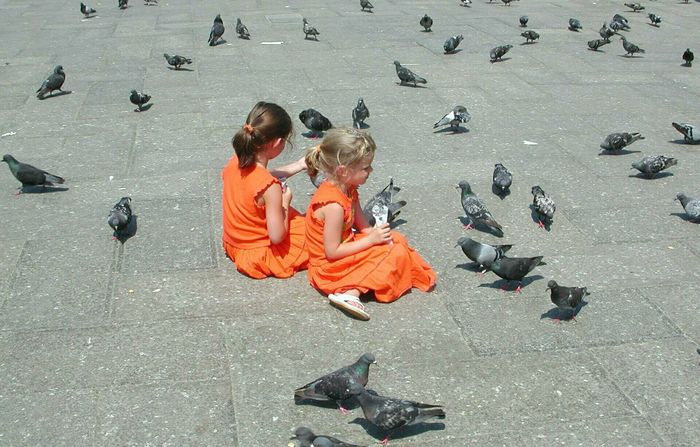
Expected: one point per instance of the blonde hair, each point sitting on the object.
(345, 146)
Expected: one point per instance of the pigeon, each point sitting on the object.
(544, 206)
(123, 4)
(498, 52)
(426, 22)
(242, 30)
(688, 57)
(653, 164)
(630, 48)
(366, 5)
(53, 82)
(482, 254)
(690, 205)
(502, 179)
(654, 19)
(139, 100)
(597, 43)
(475, 209)
(530, 36)
(523, 20)
(619, 140)
(307, 438)
(384, 200)
(458, 115)
(407, 76)
(688, 131)
(335, 386)
(566, 298)
(635, 7)
(28, 175)
(507, 2)
(389, 414)
(514, 269)
(616, 26)
(315, 122)
(452, 43)
(120, 217)
(150, 2)
(359, 114)
(465, 2)
(622, 21)
(176, 61)
(217, 30)
(86, 10)
(309, 30)
(575, 24)
(605, 32)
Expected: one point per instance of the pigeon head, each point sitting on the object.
(368, 358)
(360, 101)
(551, 284)
(536, 190)
(303, 434)
(58, 69)
(304, 20)
(397, 64)
(302, 116)
(133, 92)
(498, 165)
(462, 241)
(464, 186)
(125, 201)
(7, 158)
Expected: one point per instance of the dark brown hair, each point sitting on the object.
(265, 122)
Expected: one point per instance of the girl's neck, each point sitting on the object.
(261, 160)
(341, 186)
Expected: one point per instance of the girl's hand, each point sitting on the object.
(380, 235)
(286, 196)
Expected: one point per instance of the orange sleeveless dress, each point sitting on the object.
(389, 270)
(245, 237)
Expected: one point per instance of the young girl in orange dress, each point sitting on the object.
(263, 235)
(344, 263)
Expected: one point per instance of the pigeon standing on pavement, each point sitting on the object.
(307, 438)
(28, 175)
(635, 7)
(384, 199)
(482, 254)
(452, 43)
(619, 140)
(575, 24)
(597, 43)
(622, 22)
(123, 4)
(653, 164)
(120, 217)
(688, 57)
(566, 298)
(335, 385)
(315, 122)
(150, 2)
(514, 269)
(406, 76)
(359, 114)
(366, 5)
(523, 20)
(458, 115)
(176, 60)
(530, 36)
(507, 2)
(498, 52)
(53, 82)
(389, 414)
(465, 2)
(242, 30)
(688, 131)
(217, 30)
(426, 22)
(630, 48)
(690, 205)
(544, 207)
(654, 19)
(87, 11)
(309, 30)
(605, 32)
(475, 209)
(502, 179)
(139, 100)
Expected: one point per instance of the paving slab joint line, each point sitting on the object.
(13, 277)
(213, 235)
(227, 353)
(666, 318)
(115, 268)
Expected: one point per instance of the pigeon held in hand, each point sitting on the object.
(457, 116)
(335, 386)
(366, 5)
(309, 30)
(389, 414)
(530, 36)
(120, 217)
(359, 114)
(452, 43)
(514, 269)
(502, 179)
(635, 7)
(427, 23)
(53, 82)
(575, 24)
(597, 43)
(87, 11)
(475, 209)
(482, 254)
(688, 131)
(688, 57)
(176, 60)
(139, 100)
(566, 298)
(653, 164)
(498, 52)
(654, 19)
(217, 30)
(315, 122)
(123, 4)
(28, 175)
(617, 141)
(242, 30)
(406, 76)
(630, 48)
(385, 199)
(690, 205)
(307, 438)
(523, 20)
(544, 207)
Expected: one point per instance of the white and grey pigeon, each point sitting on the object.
(87, 11)
(150, 2)
(176, 61)
(366, 5)
(53, 82)
(597, 43)
(475, 209)
(630, 48)
(359, 114)
(482, 254)
(567, 299)
(688, 131)
(523, 20)
(502, 179)
(383, 205)
(309, 30)
(426, 22)
(690, 205)
(498, 52)
(654, 19)
(307, 438)
(530, 36)
(406, 76)
(544, 207)
(458, 115)
(452, 43)
(575, 24)
(242, 30)
(465, 2)
(120, 217)
(653, 164)
(619, 140)
(217, 30)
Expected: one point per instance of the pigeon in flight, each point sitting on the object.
(458, 115)
(407, 76)
(53, 82)
(242, 30)
(28, 175)
(217, 30)
(514, 269)
(120, 217)
(575, 24)
(597, 43)
(366, 5)
(452, 43)
(309, 30)
(654, 19)
(653, 164)
(502, 179)
(475, 209)
(530, 36)
(359, 114)
(688, 131)
(630, 48)
(690, 205)
(176, 61)
(688, 57)
(87, 11)
(315, 122)
(498, 52)
(426, 22)
(619, 140)
(384, 199)
(635, 7)
(482, 254)
(566, 298)
(139, 100)
(544, 207)
(523, 20)
(307, 438)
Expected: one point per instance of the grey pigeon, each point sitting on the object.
(315, 122)
(688, 131)
(622, 22)
(530, 36)
(475, 209)
(575, 24)
(28, 175)
(544, 206)
(523, 20)
(605, 32)
(139, 100)
(635, 7)
(389, 414)
(597, 43)
(498, 52)
(53, 82)
(366, 5)
(630, 48)
(335, 386)
(307, 438)
(654, 19)
(359, 114)
(120, 217)
(482, 254)
(616, 26)
(566, 298)
(384, 201)
(653, 164)
(690, 205)
(507, 2)
(407, 76)
(515, 269)
(123, 4)
(426, 22)
(242, 30)
(452, 43)
(619, 140)
(465, 2)
(458, 115)
(309, 30)
(688, 57)
(86, 10)
(217, 30)
(150, 2)
(502, 179)
(176, 60)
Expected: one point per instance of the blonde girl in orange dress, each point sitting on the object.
(347, 257)
(262, 234)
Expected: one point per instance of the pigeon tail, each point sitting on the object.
(50, 178)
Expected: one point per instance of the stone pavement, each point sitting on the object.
(161, 342)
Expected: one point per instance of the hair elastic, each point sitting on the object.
(248, 128)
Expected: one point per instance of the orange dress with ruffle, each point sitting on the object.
(389, 270)
(245, 236)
